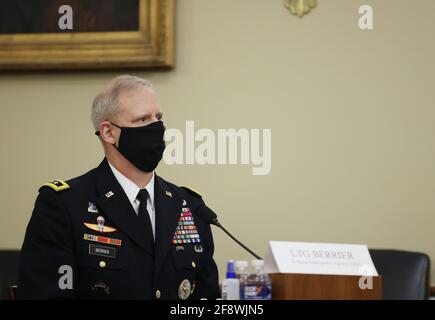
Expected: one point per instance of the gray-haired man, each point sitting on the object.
(119, 231)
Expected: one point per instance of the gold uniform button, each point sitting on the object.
(193, 287)
(158, 294)
(102, 264)
(193, 264)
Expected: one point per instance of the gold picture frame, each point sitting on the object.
(152, 45)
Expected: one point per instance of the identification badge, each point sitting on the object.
(102, 251)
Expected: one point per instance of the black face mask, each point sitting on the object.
(142, 146)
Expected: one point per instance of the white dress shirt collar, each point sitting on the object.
(130, 188)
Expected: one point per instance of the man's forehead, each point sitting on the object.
(140, 93)
(142, 100)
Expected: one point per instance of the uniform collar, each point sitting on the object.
(130, 188)
(114, 202)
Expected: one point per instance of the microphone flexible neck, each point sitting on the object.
(218, 224)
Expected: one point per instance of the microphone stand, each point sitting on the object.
(217, 223)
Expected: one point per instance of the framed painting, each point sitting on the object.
(86, 34)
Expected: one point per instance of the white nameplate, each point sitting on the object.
(319, 258)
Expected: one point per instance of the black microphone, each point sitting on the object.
(208, 216)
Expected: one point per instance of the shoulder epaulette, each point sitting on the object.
(192, 191)
(57, 185)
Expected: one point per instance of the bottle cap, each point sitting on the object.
(257, 263)
(242, 264)
(230, 269)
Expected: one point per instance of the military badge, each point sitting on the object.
(95, 227)
(97, 250)
(57, 185)
(109, 194)
(99, 288)
(100, 227)
(186, 231)
(92, 208)
(100, 239)
(184, 289)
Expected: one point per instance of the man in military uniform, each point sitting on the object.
(119, 231)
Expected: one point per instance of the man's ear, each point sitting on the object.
(107, 132)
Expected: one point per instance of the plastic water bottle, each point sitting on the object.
(259, 286)
(242, 275)
(231, 285)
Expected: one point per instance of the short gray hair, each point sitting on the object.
(106, 104)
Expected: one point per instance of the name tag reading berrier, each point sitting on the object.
(102, 251)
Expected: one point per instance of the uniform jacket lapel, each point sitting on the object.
(118, 208)
(168, 208)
